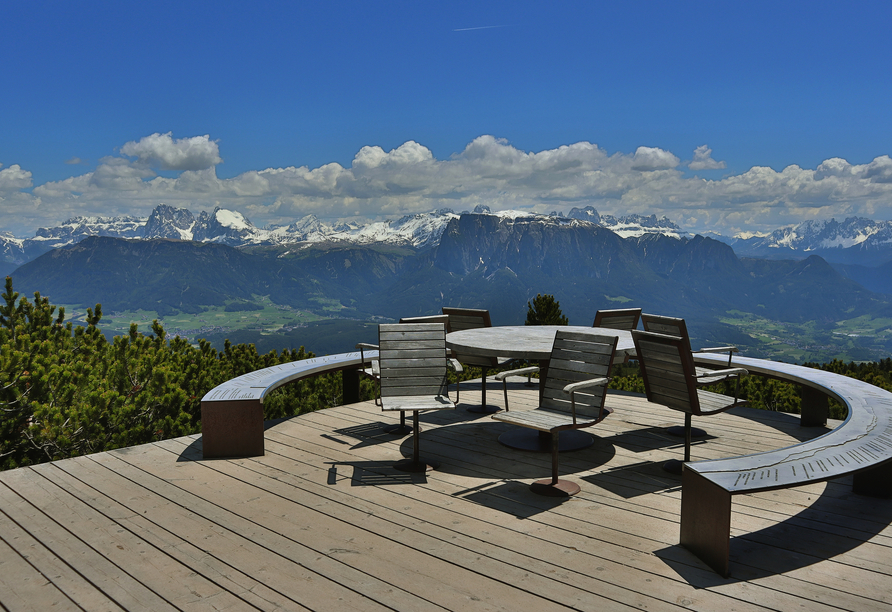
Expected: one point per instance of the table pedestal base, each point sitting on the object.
(523, 438)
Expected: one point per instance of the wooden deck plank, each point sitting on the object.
(179, 585)
(473, 526)
(173, 531)
(403, 565)
(318, 578)
(412, 514)
(31, 578)
(322, 520)
(109, 578)
(620, 518)
(520, 571)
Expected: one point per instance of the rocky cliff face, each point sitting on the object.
(169, 222)
(550, 245)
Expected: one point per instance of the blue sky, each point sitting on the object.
(724, 117)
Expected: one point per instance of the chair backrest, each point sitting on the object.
(466, 318)
(441, 318)
(461, 319)
(620, 318)
(667, 368)
(577, 356)
(669, 326)
(412, 357)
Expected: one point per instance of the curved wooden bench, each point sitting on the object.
(232, 413)
(861, 445)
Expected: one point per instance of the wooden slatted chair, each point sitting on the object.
(674, 326)
(671, 380)
(373, 371)
(573, 396)
(413, 363)
(473, 318)
(625, 319)
(619, 318)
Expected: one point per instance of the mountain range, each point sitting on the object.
(852, 242)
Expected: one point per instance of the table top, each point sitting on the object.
(523, 341)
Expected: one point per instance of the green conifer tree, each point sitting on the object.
(545, 310)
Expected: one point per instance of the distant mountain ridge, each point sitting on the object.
(420, 231)
(854, 241)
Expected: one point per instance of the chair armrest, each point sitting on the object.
(455, 365)
(518, 372)
(717, 349)
(364, 345)
(594, 382)
(727, 372)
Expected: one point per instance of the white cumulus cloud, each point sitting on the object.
(14, 178)
(489, 170)
(652, 158)
(703, 160)
(196, 153)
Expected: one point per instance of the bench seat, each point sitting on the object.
(860, 446)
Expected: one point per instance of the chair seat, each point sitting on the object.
(548, 420)
(416, 402)
(711, 403)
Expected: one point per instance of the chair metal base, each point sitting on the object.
(400, 429)
(420, 466)
(678, 430)
(397, 429)
(561, 488)
(523, 438)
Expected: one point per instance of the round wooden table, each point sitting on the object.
(531, 343)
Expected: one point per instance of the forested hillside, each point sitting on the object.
(66, 391)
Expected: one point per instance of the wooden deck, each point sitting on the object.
(322, 522)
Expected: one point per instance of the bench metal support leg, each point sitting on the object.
(350, 386)
(874, 482)
(815, 408)
(232, 429)
(706, 520)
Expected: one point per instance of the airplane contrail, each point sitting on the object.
(479, 28)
